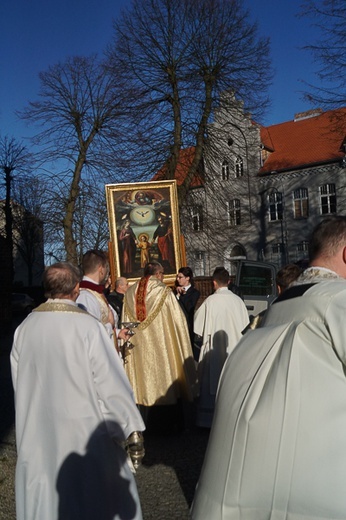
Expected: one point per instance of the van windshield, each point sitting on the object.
(256, 280)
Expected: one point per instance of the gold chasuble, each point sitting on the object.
(160, 367)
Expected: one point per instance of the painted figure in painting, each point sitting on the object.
(164, 237)
(127, 243)
(144, 246)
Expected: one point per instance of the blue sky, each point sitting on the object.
(38, 33)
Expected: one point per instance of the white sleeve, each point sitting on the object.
(115, 395)
(89, 302)
(199, 319)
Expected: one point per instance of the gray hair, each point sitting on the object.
(60, 279)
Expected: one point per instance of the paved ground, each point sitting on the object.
(166, 480)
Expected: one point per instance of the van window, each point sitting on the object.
(256, 280)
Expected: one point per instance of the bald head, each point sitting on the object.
(121, 285)
(61, 280)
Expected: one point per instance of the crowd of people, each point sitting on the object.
(271, 391)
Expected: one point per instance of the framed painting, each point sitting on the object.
(144, 226)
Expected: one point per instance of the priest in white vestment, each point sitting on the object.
(92, 293)
(220, 321)
(277, 448)
(74, 410)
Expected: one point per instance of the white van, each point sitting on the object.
(256, 281)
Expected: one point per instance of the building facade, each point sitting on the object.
(264, 188)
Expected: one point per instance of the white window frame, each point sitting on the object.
(197, 217)
(199, 263)
(234, 212)
(238, 167)
(300, 203)
(275, 206)
(327, 199)
(225, 170)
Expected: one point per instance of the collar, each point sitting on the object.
(316, 274)
(62, 300)
(88, 283)
(221, 289)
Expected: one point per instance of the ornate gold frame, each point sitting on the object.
(144, 208)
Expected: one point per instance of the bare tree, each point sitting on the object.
(91, 222)
(14, 160)
(29, 210)
(176, 57)
(77, 110)
(329, 52)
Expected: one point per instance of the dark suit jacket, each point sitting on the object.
(116, 301)
(188, 302)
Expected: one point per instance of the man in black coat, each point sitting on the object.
(116, 298)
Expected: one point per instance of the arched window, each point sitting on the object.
(225, 171)
(239, 167)
(238, 252)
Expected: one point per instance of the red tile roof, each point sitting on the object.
(186, 157)
(308, 140)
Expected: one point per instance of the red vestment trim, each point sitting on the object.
(85, 284)
(141, 312)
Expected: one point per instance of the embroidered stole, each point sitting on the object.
(141, 311)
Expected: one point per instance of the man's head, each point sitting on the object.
(61, 280)
(154, 269)
(121, 285)
(184, 276)
(220, 277)
(327, 245)
(95, 266)
(288, 274)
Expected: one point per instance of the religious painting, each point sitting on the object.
(144, 226)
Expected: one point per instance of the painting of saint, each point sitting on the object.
(164, 237)
(127, 241)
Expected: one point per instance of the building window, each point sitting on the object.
(199, 263)
(277, 249)
(328, 199)
(234, 212)
(301, 203)
(238, 167)
(275, 206)
(197, 218)
(225, 171)
(303, 246)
